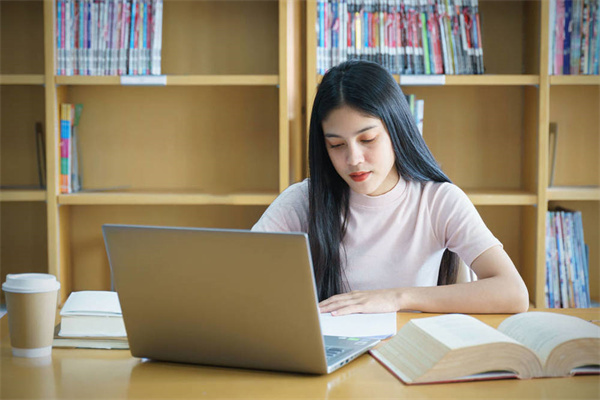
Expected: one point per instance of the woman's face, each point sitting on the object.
(361, 151)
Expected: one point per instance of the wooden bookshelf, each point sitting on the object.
(490, 134)
(574, 193)
(22, 195)
(177, 80)
(212, 144)
(32, 79)
(167, 198)
(464, 80)
(23, 214)
(579, 80)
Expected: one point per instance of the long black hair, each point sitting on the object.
(369, 89)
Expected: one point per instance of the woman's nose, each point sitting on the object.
(355, 155)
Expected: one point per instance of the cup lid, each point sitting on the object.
(30, 283)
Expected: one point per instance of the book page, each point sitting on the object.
(375, 326)
(543, 331)
(458, 331)
(92, 302)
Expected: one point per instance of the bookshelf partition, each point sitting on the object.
(490, 134)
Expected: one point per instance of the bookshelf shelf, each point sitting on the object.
(22, 195)
(177, 80)
(575, 80)
(166, 198)
(501, 197)
(470, 80)
(569, 193)
(13, 79)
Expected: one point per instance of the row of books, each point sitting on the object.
(417, 107)
(421, 37)
(109, 37)
(574, 37)
(70, 177)
(567, 261)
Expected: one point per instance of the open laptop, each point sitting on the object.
(223, 297)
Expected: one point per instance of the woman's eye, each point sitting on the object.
(368, 140)
(335, 146)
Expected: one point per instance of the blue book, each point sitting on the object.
(567, 42)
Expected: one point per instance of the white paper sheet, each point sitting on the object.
(377, 326)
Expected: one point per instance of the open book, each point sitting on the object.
(458, 347)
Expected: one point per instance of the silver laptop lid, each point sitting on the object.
(218, 297)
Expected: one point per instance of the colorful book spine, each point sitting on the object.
(65, 138)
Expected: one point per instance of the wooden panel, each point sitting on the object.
(23, 195)
(13, 79)
(590, 214)
(530, 135)
(575, 110)
(23, 244)
(165, 198)
(575, 80)
(209, 139)
(502, 31)
(220, 37)
(505, 222)
(89, 261)
(21, 37)
(475, 133)
(20, 108)
(177, 80)
(573, 193)
(528, 268)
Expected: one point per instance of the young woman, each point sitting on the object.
(385, 225)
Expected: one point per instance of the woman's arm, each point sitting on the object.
(499, 289)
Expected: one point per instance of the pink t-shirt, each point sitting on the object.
(396, 239)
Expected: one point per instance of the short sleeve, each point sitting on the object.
(457, 224)
(288, 212)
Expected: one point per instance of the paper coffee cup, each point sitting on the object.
(31, 304)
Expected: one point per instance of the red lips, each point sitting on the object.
(359, 176)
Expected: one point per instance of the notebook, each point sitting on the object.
(221, 297)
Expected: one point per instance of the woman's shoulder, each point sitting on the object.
(295, 193)
(288, 212)
(434, 189)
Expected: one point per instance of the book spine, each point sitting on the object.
(65, 136)
(548, 283)
(569, 259)
(551, 36)
(567, 37)
(585, 38)
(426, 43)
(564, 298)
(559, 37)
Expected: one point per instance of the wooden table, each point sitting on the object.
(83, 374)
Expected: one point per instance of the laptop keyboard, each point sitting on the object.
(333, 351)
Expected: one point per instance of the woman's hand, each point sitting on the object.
(362, 301)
